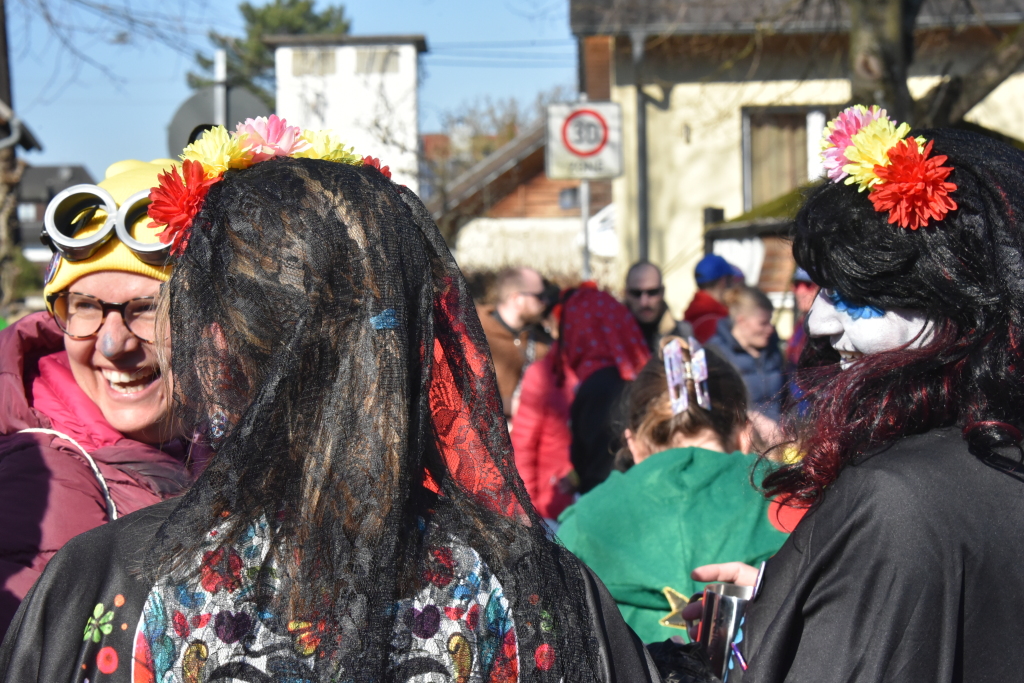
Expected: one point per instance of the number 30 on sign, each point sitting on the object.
(584, 140)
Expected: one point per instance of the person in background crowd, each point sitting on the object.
(738, 278)
(714, 278)
(85, 435)
(361, 518)
(686, 500)
(600, 349)
(747, 339)
(907, 566)
(645, 298)
(513, 329)
(542, 439)
(804, 292)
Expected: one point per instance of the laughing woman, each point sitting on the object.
(84, 434)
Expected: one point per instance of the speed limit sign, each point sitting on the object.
(584, 140)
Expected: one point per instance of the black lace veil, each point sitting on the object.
(323, 333)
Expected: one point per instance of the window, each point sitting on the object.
(376, 60)
(569, 198)
(780, 151)
(28, 213)
(315, 62)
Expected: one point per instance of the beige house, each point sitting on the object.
(737, 94)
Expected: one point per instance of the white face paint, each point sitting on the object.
(857, 332)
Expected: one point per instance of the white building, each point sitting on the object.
(363, 87)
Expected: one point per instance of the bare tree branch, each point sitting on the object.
(950, 100)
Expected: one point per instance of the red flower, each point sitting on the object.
(544, 656)
(913, 188)
(106, 660)
(370, 161)
(440, 569)
(180, 624)
(176, 201)
(216, 574)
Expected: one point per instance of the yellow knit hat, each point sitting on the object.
(123, 179)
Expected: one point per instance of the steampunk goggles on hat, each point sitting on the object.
(73, 208)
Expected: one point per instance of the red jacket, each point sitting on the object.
(48, 493)
(541, 437)
(703, 313)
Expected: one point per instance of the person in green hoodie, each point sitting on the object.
(686, 501)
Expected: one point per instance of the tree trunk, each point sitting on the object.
(880, 54)
(10, 176)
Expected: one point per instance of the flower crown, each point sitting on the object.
(866, 147)
(177, 199)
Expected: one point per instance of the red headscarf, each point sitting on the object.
(598, 332)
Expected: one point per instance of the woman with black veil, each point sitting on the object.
(362, 519)
(907, 564)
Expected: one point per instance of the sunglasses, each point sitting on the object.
(637, 293)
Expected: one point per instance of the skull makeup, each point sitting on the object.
(857, 331)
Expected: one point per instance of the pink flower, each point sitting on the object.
(270, 137)
(838, 136)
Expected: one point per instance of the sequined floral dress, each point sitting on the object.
(458, 627)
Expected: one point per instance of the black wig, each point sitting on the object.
(965, 273)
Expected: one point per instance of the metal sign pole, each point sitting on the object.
(220, 88)
(585, 213)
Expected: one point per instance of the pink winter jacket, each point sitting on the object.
(48, 493)
(541, 437)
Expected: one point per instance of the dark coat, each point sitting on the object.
(48, 493)
(762, 375)
(921, 541)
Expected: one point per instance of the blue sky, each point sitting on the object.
(477, 49)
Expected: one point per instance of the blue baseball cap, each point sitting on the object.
(711, 268)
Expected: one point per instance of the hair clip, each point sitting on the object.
(698, 370)
(678, 370)
(864, 146)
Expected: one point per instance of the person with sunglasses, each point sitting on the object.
(85, 429)
(512, 326)
(645, 299)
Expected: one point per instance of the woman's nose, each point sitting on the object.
(823, 319)
(114, 339)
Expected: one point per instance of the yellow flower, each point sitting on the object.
(791, 455)
(218, 150)
(871, 145)
(323, 144)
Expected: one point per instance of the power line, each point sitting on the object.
(506, 43)
(506, 65)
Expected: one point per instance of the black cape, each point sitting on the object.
(50, 638)
(911, 569)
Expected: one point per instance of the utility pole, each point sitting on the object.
(639, 39)
(10, 175)
(220, 88)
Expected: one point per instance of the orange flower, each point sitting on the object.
(913, 188)
(176, 201)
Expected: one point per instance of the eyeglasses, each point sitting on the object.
(637, 293)
(540, 296)
(80, 316)
(72, 209)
